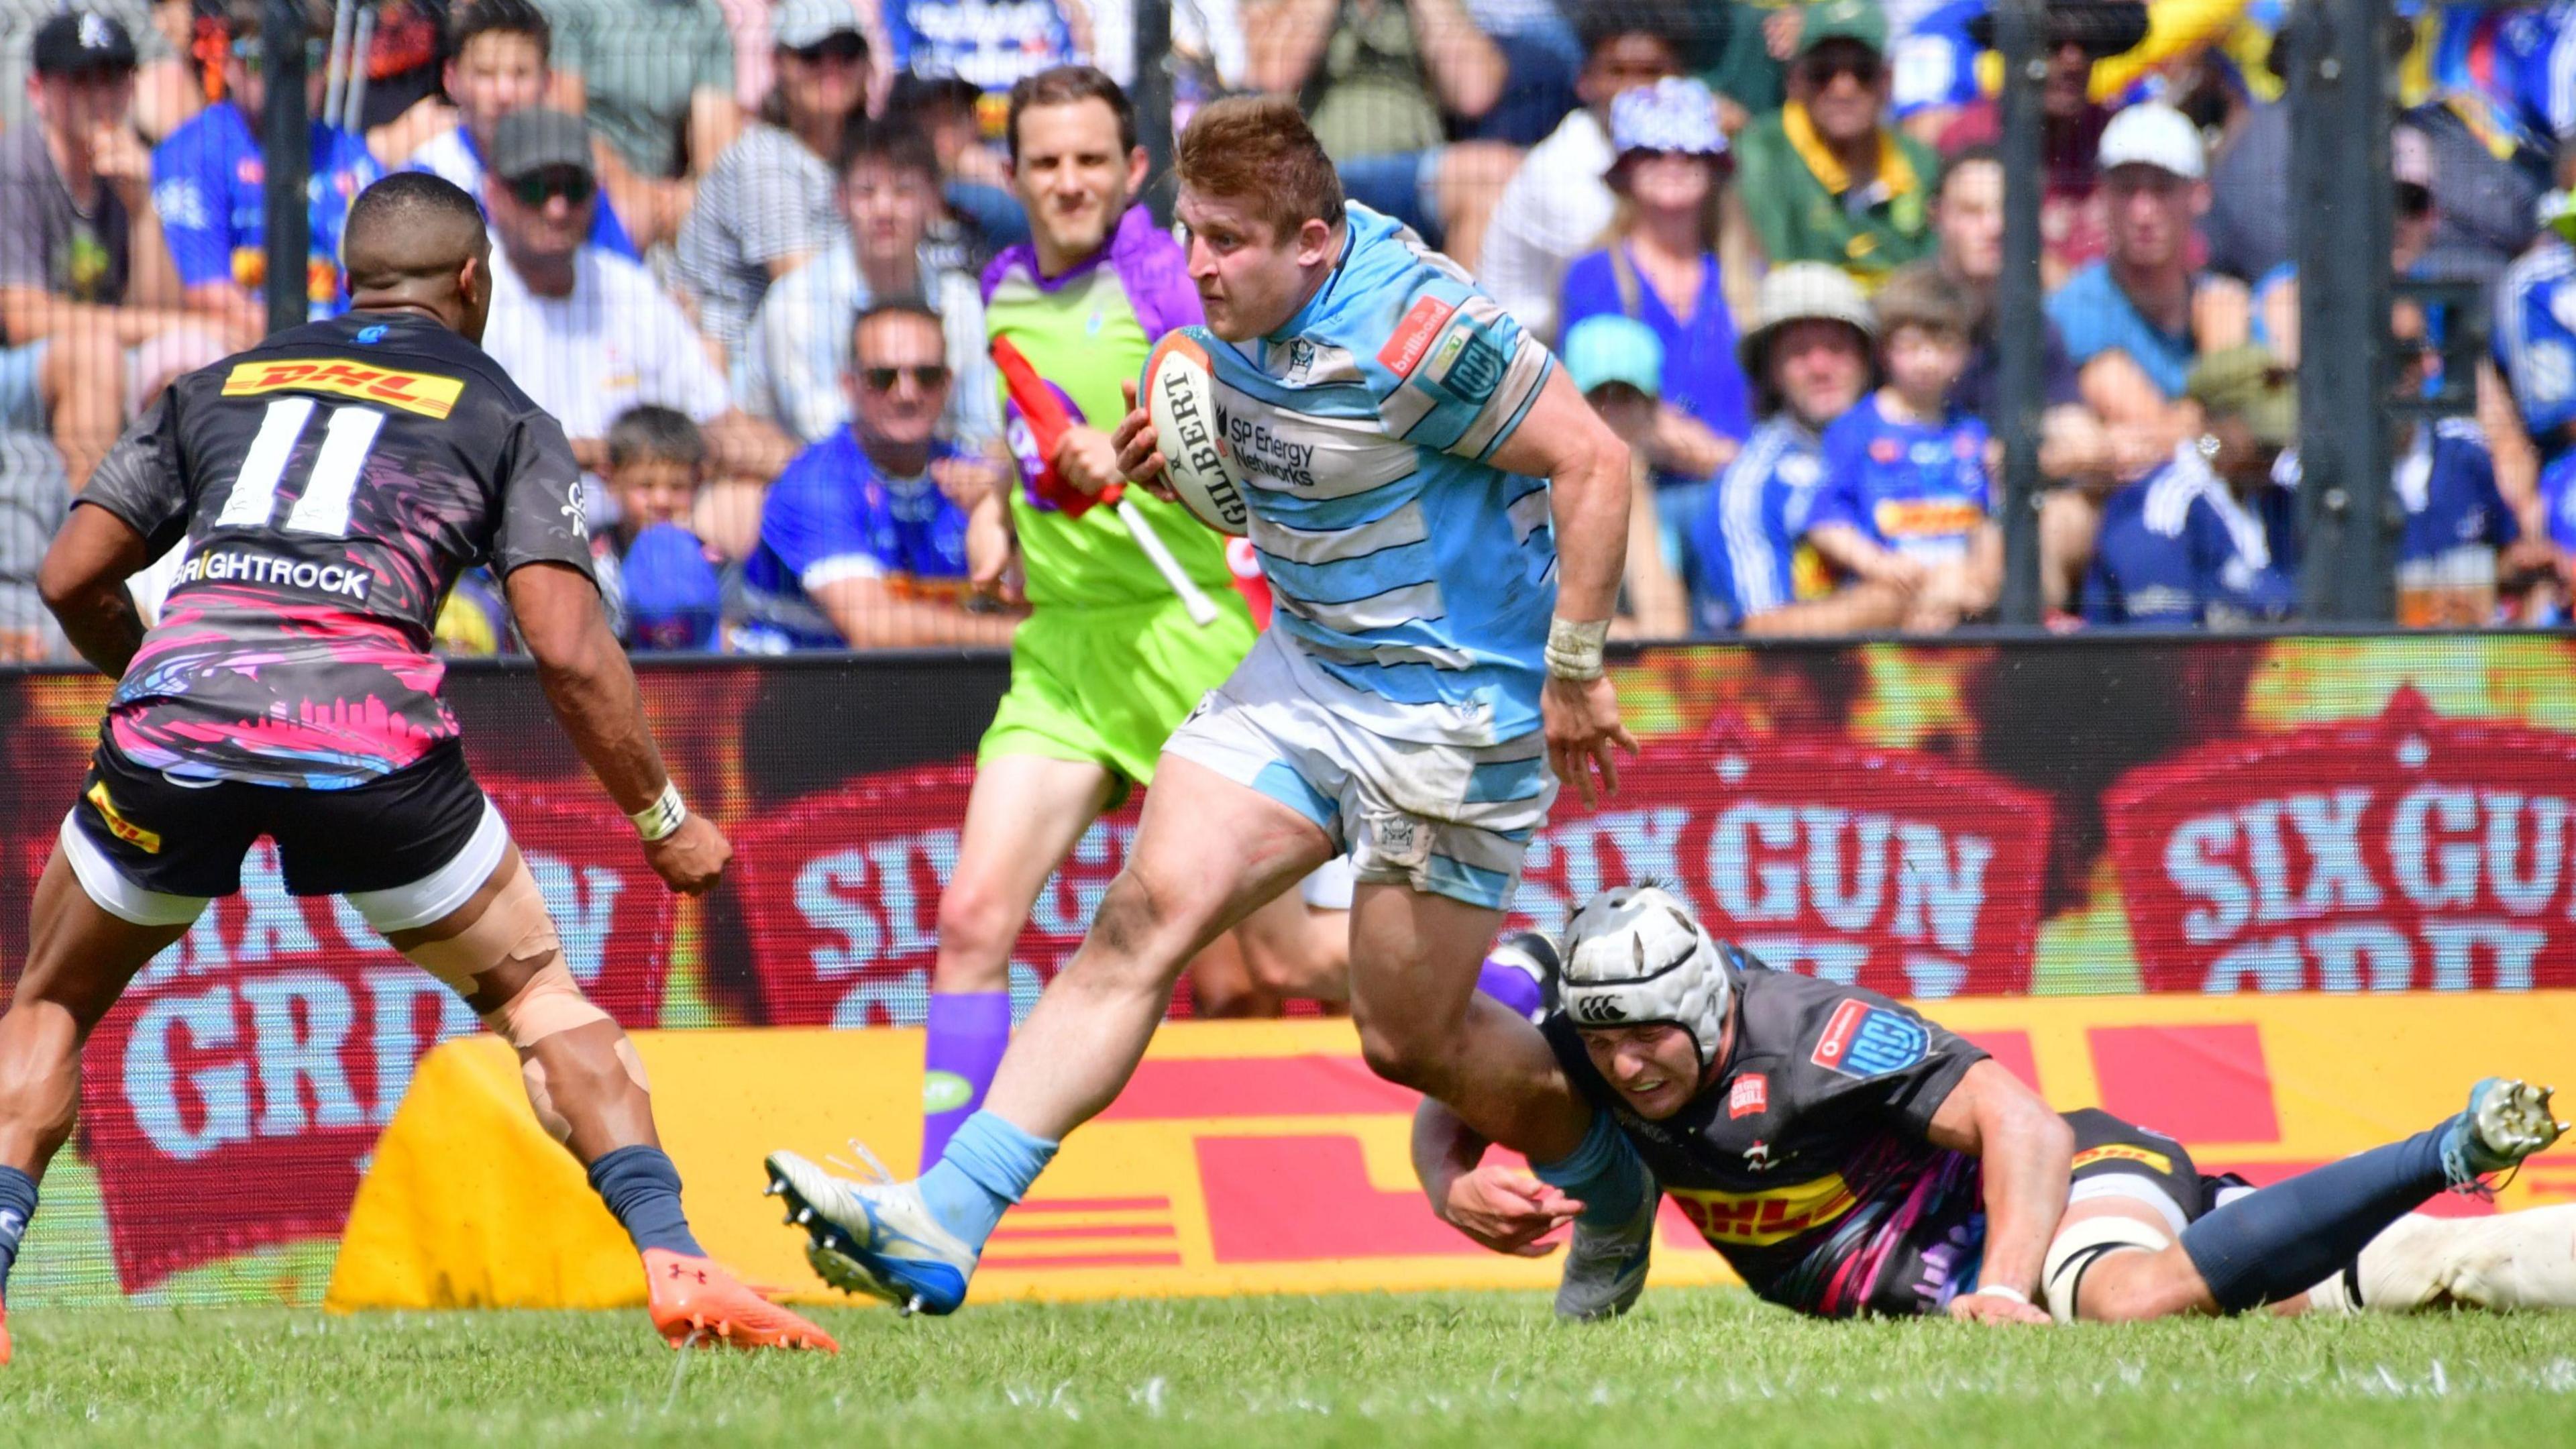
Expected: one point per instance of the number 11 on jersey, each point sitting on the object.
(348, 435)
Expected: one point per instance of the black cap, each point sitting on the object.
(80, 42)
(2104, 28)
(532, 140)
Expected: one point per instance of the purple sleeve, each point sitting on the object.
(1155, 272)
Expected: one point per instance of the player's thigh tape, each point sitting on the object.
(2076, 1249)
(514, 926)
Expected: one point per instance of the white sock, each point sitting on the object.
(2510, 1260)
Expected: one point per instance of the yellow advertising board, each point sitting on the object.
(1265, 1158)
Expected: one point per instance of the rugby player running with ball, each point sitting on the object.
(331, 484)
(1109, 659)
(1445, 561)
(1848, 1157)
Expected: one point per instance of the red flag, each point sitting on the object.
(1047, 416)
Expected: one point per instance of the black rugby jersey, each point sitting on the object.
(1805, 1163)
(330, 484)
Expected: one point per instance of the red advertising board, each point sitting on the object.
(2403, 853)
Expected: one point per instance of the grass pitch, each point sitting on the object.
(1709, 1369)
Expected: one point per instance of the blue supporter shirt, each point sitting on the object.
(1934, 65)
(208, 187)
(1411, 578)
(663, 593)
(1744, 557)
(833, 516)
(1701, 374)
(990, 42)
(2095, 316)
(1918, 489)
(2181, 549)
(2535, 341)
(2446, 480)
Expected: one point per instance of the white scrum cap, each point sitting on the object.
(1634, 956)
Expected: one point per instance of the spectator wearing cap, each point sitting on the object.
(1827, 178)
(1558, 203)
(1809, 353)
(766, 208)
(1382, 81)
(209, 183)
(589, 335)
(985, 217)
(2210, 538)
(2135, 321)
(1618, 364)
(85, 280)
(1660, 266)
(656, 78)
(165, 92)
(2079, 33)
(499, 61)
(864, 542)
(799, 347)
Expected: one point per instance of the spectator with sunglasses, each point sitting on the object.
(767, 207)
(1827, 178)
(863, 540)
(798, 346)
(209, 183)
(589, 334)
(500, 57)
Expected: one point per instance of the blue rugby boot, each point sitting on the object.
(2507, 1121)
(878, 1238)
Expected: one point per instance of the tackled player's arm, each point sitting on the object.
(2025, 1152)
(1503, 1208)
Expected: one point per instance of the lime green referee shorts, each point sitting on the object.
(1109, 684)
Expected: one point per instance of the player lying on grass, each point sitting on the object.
(333, 482)
(1846, 1157)
(1442, 521)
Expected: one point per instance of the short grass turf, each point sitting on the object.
(1699, 1368)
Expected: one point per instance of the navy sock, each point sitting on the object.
(17, 1209)
(642, 1188)
(1603, 1174)
(989, 1166)
(2283, 1240)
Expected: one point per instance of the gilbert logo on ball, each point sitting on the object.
(1180, 399)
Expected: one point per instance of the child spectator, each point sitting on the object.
(1617, 363)
(656, 578)
(1906, 499)
(2210, 539)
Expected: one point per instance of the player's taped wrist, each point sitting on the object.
(1574, 650)
(663, 818)
(2005, 1292)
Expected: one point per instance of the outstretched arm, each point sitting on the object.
(1503, 1208)
(592, 689)
(2026, 1151)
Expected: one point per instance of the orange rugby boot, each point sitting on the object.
(699, 1298)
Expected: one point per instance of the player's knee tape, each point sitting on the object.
(550, 1004)
(2076, 1249)
(513, 927)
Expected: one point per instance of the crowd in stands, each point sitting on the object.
(741, 252)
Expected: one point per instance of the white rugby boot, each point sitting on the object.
(877, 1238)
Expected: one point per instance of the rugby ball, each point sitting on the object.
(1180, 399)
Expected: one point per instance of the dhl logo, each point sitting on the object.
(2121, 1152)
(1928, 518)
(147, 841)
(426, 394)
(1759, 1219)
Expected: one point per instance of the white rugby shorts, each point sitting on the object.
(1447, 820)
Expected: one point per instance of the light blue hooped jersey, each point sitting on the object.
(1413, 578)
